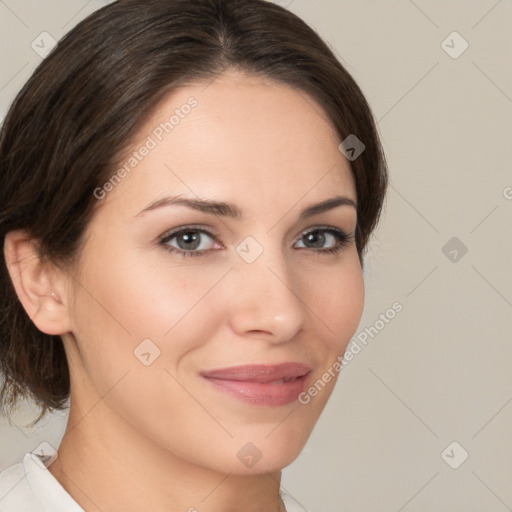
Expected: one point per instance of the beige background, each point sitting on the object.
(440, 371)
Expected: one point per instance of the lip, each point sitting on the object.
(260, 384)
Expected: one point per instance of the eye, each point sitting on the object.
(318, 237)
(188, 241)
(193, 241)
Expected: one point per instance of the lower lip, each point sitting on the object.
(268, 394)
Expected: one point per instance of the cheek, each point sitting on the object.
(146, 300)
(336, 296)
(337, 300)
(128, 302)
(348, 307)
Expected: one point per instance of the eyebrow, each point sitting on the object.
(230, 210)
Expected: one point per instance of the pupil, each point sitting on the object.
(190, 238)
(320, 239)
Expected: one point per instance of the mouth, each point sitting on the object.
(264, 385)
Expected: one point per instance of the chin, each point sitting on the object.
(265, 455)
(267, 464)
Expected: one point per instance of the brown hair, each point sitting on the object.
(84, 103)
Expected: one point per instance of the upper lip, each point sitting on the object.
(259, 372)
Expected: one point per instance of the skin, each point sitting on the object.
(159, 437)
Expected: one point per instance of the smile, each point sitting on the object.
(261, 384)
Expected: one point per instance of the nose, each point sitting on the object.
(267, 301)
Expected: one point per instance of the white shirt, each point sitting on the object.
(29, 487)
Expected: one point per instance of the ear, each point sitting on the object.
(40, 287)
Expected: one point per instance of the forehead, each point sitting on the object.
(241, 138)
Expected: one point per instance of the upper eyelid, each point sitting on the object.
(171, 233)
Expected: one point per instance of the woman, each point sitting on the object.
(187, 191)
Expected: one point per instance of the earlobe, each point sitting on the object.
(40, 288)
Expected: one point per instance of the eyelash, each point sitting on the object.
(342, 240)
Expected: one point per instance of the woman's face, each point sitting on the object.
(167, 293)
